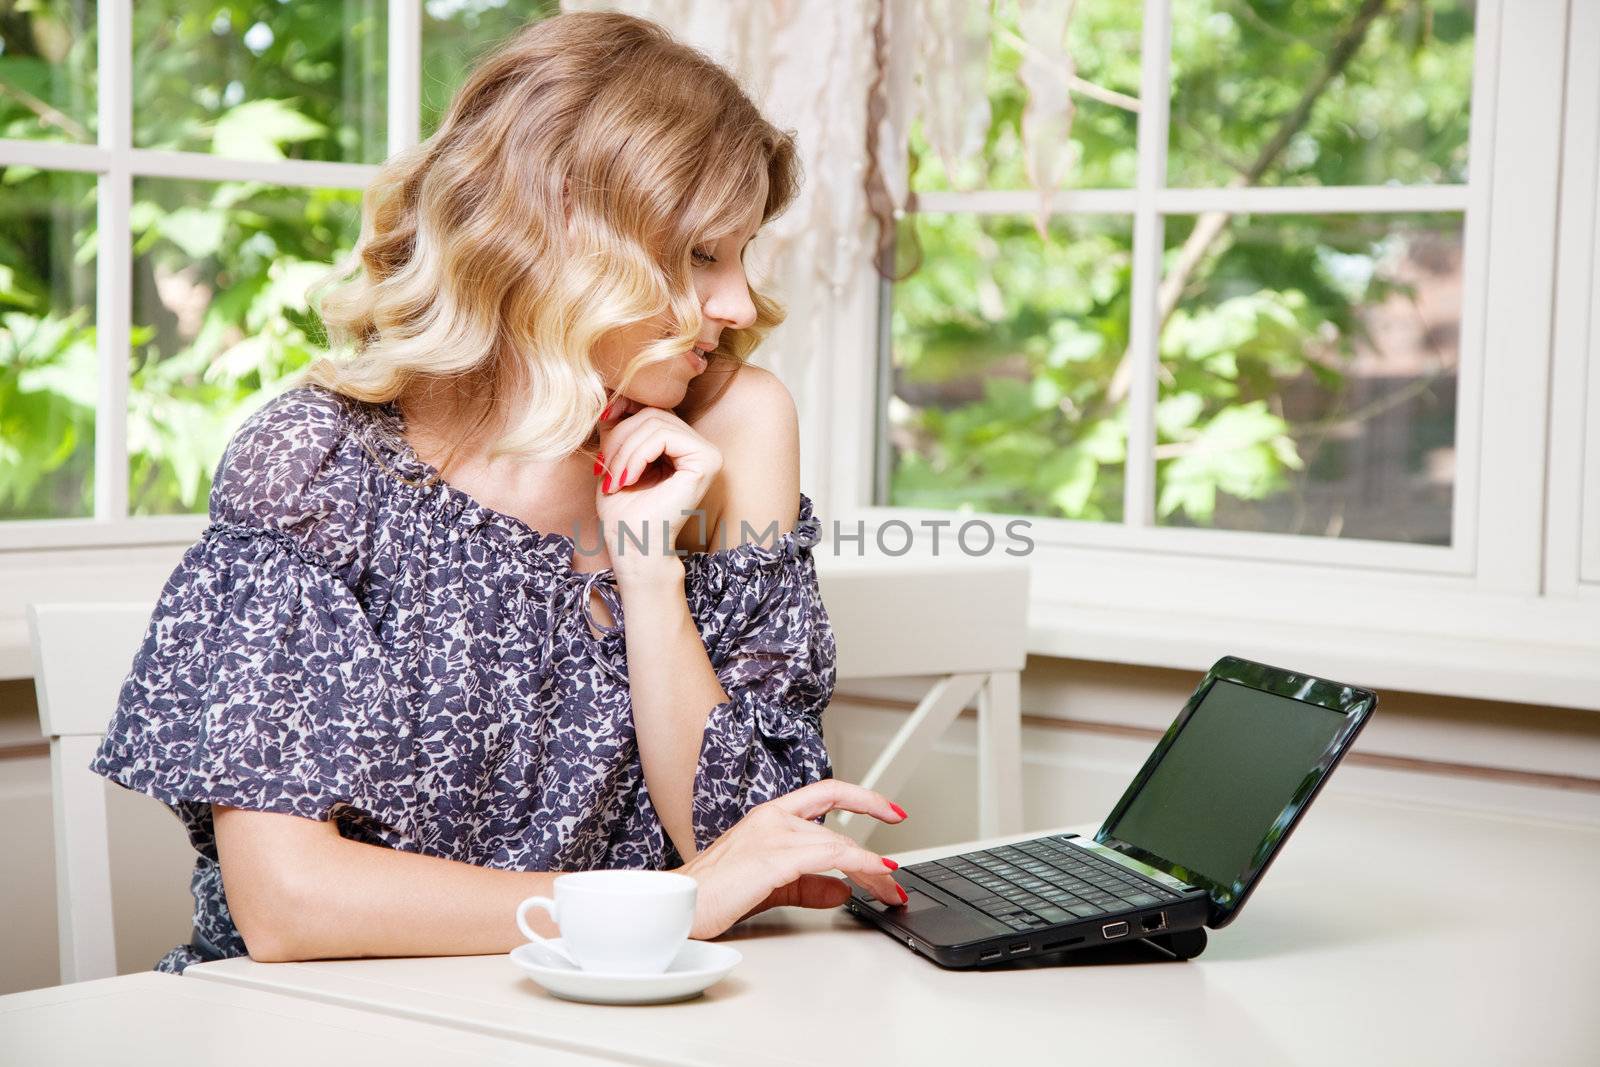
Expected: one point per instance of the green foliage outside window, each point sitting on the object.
(219, 269)
(1010, 385)
(1279, 356)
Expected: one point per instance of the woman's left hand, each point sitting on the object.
(659, 470)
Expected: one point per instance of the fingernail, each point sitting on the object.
(605, 486)
(622, 481)
(898, 810)
(597, 466)
(891, 864)
(606, 414)
(903, 897)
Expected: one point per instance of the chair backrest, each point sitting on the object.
(911, 616)
(81, 655)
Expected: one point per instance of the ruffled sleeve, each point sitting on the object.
(260, 683)
(769, 640)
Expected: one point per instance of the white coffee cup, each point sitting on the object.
(618, 922)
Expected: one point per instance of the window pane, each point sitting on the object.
(1005, 351)
(455, 33)
(1103, 41)
(47, 71)
(1315, 94)
(262, 80)
(48, 362)
(1308, 377)
(220, 274)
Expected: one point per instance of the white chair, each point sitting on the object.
(963, 620)
(81, 654)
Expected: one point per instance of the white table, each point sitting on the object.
(163, 1021)
(1384, 934)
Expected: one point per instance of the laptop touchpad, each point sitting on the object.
(915, 902)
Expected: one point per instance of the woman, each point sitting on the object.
(383, 639)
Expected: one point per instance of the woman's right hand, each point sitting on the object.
(772, 858)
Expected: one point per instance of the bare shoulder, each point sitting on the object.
(729, 399)
(751, 417)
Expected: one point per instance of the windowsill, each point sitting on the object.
(1560, 675)
(1391, 622)
(1455, 643)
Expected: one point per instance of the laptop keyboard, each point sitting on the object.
(1040, 883)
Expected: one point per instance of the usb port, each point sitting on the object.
(987, 956)
(1017, 950)
(1110, 930)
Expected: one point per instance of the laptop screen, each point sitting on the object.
(1228, 782)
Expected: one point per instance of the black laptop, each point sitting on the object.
(1182, 850)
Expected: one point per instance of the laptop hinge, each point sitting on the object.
(1153, 873)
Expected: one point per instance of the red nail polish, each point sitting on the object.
(622, 481)
(597, 466)
(891, 864)
(903, 897)
(606, 414)
(898, 810)
(605, 487)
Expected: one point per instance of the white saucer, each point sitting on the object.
(697, 966)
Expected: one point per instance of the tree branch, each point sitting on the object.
(47, 114)
(1209, 225)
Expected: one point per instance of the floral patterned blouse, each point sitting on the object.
(353, 638)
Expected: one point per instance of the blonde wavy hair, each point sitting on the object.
(465, 274)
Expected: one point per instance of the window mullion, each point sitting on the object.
(1314, 199)
(113, 261)
(53, 155)
(202, 166)
(405, 75)
(1251, 199)
(1138, 504)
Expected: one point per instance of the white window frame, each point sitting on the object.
(1471, 618)
(1574, 529)
(1509, 610)
(117, 164)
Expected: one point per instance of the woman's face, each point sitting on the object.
(724, 292)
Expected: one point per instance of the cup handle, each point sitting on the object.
(533, 935)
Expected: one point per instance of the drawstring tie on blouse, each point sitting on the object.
(584, 585)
